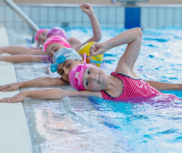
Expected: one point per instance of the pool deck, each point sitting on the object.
(14, 132)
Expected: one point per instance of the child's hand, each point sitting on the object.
(17, 98)
(87, 8)
(97, 48)
(1, 50)
(10, 87)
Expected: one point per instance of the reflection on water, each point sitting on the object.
(67, 126)
(80, 125)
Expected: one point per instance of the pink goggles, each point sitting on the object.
(56, 39)
(39, 32)
(76, 75)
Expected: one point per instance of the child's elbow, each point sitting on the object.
(97, 38)
(139, 32)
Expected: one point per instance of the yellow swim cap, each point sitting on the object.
(85, 49)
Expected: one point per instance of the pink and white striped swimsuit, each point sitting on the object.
(134, 90)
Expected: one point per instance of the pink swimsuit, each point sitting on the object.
(134, 90)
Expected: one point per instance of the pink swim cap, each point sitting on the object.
(39, 32)
(57, 31)
(56, 39)
(76, 75)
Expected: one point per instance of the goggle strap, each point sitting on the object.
(84, 59)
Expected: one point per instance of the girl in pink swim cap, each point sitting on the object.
(76, 75)
(121, 85)
(41, 36)
(55, 42)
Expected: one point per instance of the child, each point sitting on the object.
(95, 79)
(43, 34)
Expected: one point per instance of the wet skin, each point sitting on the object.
(94, 79)
(53, 48)
(42, 37)
(65, 68)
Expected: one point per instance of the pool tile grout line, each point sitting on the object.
(14, 130)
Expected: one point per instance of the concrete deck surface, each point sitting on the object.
(14, 132)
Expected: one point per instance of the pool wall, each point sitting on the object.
(109, 16)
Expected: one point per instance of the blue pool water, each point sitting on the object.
(79, 125)
(147, 127)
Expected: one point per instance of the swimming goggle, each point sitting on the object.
(61, 59)
(89, 60)
(79, 73)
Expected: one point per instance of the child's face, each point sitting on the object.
(42, 37)
(94, 79)
(65, 68)
(53, 48)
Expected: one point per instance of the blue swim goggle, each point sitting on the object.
(89, 60)
(61, 59)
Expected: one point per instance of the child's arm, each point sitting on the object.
(87, 8)
(133, 38)
(36, 48)
(21, 50)
(48, 94)
(21, 58)
(165, 86)
(39, 82)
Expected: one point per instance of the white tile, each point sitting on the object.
(69, 14)
(169, 18)
(77, 15)
(43, 14)
(111, 25)
(61, 14)
(9, 14)
(85, 18)
(34, 14)
(161, 18)
(96, 11)
(120, 14)
(2, 14)
(153, 17)
(177, 17)
(103, 25)
(26, 10)
(112, 15)
(103, 15)
(144, 22)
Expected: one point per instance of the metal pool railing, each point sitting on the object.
(21, 14)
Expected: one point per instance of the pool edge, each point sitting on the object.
(14, 131)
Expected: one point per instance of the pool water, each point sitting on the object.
(97, 125)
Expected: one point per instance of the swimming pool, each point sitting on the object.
(79, 125)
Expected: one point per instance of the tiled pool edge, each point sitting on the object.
(14, 131)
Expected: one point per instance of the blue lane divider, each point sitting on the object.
(132, 17)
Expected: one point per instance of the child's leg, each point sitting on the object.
(165, 86)
(21, 58)
(21, 50)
